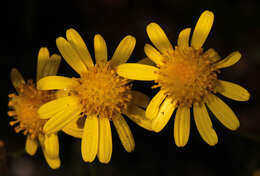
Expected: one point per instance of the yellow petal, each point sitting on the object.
(182, 126)
(184, 36)
(222, 112)
(146, 61)
(213, 55)
(51, 67)
(79, 45)
(202, 29)
(89, 143)
(123, 51)
(56, 82)
(124, 133)
(51, 144)
(158, 38)
(204, 124)
(137, 71)
(100, 49)
(153, 54)
(75, 128)
(137, 115)
(154, 105)
(54, 163)
(43, 59)
(41, 138)
(233, 91)
(230, 60)
(61, 119)
(140, 99)
(70, 55)
(31, 145)
(51, 108)
(105, 141)
(17, 79)
(164, 115)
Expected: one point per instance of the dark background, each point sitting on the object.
(32, 24)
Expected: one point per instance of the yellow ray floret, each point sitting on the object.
(79, 46)
(202, 29)
(158, 37)
(100, 49)
(105, 141)
(124, 133)
(138, 71)
(204, 124)
(89, 144)
(184, 38)
(164, 114)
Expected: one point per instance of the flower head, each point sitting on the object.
(187, 78)
(25, 105)
(99, 95)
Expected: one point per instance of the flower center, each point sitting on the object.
(102, 92)
(187, 75)
(24, 107)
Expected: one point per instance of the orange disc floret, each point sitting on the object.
(24, 107)
(187, 75)
(102, 92)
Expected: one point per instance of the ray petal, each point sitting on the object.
(202, 29)
(164, 115)
(79, 45)
(204, 124)
(89, 143)
(233, 91)
(154, 105)
(51, 144)
(223, 112)
(138, 71)
(124, 133)
(70, 55)
(51, 108)
(137, 115)
(56, 82)
(123, 51)
(31, 146)
(153, 54)
(60, 120)
(182, 126)
(230, 60)
(100, 49)
(16, 79)
(184, 36)
(105, 141)
(52, 66)
(158, 38)
(54, 163)
(43, 59)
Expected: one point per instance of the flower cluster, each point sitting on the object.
(84, 106)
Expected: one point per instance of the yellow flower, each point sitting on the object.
(187, 77)
(25, 105)
(95, 98)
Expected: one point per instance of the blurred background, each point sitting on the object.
(32, 24)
